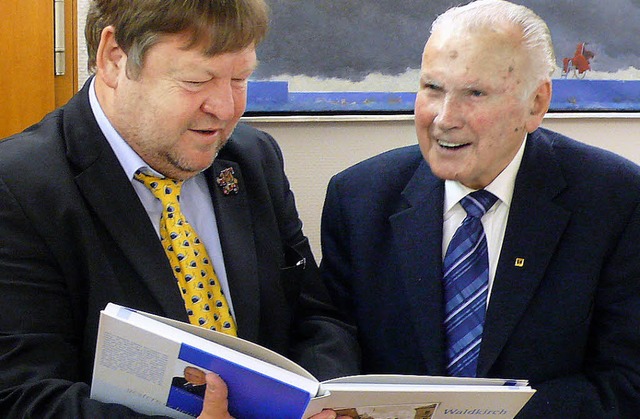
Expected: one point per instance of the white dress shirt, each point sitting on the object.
(494, 221)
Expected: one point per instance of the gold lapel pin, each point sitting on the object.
(227, 182)
(519, 262)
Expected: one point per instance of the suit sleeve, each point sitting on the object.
(334, 268)
(41, 355)
(609, 386)
(323, 341)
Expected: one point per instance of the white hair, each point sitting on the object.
(536, 37)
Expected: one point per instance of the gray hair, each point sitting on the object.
(536, 37)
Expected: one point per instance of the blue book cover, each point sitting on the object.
(251, 394)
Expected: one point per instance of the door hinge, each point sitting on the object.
(58, 38)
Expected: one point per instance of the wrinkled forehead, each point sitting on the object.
(483, 58)
(482, 45)
(483, 36)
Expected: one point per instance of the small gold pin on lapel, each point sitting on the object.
(227, 182)
(519, 262)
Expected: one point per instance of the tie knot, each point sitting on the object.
(165, 189)
(478, 203)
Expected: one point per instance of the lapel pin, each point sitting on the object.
(519, 262)
(227, 182)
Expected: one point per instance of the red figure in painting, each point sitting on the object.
(579, 63)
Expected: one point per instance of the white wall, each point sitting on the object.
(315, 149)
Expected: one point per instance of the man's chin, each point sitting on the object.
(185, 169)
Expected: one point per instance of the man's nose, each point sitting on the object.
(449, 113)
(220, 101)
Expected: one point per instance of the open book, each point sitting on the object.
(155, 366)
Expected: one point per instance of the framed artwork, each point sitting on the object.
(363, 56)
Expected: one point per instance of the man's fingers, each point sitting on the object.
(215, 399)
(328, 414)
(325, 414)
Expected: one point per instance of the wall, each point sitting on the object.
(315, 149)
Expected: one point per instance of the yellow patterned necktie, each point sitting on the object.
(203, 298)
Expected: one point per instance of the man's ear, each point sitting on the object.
(111, 60)
(539, 102)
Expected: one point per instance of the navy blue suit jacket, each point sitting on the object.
(568, 320)
(74, 236)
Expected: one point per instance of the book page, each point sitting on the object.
(401, 411)
(243, 346)
(425, 380)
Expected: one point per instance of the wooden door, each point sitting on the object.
(29, 88)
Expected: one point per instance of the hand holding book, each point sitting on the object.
(215, 405)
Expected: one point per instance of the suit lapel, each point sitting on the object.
(109, 193)
(417, 235)
(235, 228)
(533, 231)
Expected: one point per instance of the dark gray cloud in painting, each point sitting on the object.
(350, 39)
(609, 27)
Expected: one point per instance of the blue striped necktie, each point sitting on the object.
(466, 283)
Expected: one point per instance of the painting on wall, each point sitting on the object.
(363, 56)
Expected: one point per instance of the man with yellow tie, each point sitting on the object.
(144, 191)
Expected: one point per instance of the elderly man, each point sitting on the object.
(494, 248)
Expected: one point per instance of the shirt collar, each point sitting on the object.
(502, 186)
(128, 158)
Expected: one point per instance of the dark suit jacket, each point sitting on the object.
(568, 320)
(74, 236)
